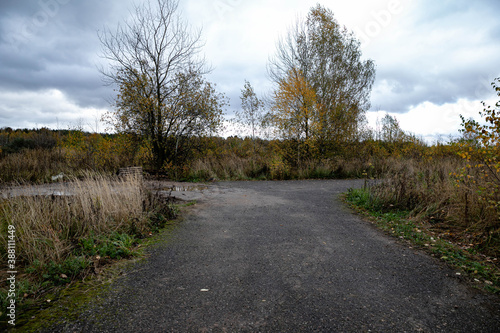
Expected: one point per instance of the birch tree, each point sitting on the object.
(328, 57)
(251, 114)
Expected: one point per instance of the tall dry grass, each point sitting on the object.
(275, 167)
(49, 228)
(228, 167)
(32, 165)
(451, 205)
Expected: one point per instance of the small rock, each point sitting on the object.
(58, 177)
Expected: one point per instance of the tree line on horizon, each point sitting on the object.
(167, 115)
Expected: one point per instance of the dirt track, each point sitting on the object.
(286, 257)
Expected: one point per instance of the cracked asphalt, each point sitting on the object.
(285, 257)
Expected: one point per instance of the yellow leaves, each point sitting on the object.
(278, 167)
(295, 107)
(464, 155)
(479, 149)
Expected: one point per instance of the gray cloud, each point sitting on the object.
(53, 44)
(448, 52)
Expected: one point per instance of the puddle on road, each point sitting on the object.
(33, 192)
(183, 192)
(60, 193)
(185, 188)
(189, 188)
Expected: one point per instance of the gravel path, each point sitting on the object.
(286, 257)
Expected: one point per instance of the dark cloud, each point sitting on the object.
(398, 92)
(54, 44)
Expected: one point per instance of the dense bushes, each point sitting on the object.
(210, 157)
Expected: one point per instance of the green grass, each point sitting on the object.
(398, 223)
(40, 278)
(114, 246)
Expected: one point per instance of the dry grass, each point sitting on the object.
(48, 228)
(32, 165)
(428, 189)
(37, 166)
(275, 167)
(228, 167)
(63, 238)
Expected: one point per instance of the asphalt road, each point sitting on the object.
(286, 257)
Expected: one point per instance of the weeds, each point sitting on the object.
(276, 167)
(64, 238)
(114, 246)
(430, 191)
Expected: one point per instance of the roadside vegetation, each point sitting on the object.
(447, 191)
(475, 261)
(60, 239)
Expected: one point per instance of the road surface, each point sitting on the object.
(286, 257)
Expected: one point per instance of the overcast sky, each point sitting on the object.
(435, 59)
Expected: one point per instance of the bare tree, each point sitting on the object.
(155, 60)
(252, 112)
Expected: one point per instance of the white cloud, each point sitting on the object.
(46, 108)
(432, 121)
